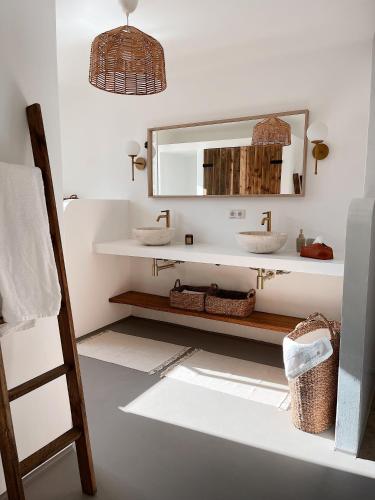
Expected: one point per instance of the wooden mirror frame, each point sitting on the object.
(150, 131)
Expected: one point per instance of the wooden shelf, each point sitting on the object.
(264, 321)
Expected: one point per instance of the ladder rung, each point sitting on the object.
(37, 382)
(39, 457)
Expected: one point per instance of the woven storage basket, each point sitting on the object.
(230, 303)
(190, 301)
(314, 393)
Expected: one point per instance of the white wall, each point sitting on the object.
(198, 90)
(28, 75)
(370, 170)
(292, 164)
(94, 278)
(96, 167)
(178, 172)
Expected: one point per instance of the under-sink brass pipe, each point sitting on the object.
(156, 267)
(266, 274)
(260, 279)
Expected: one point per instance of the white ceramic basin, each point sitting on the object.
(154, 236)
(261, 241)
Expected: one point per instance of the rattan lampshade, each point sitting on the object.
(127, 61)
(271, 131)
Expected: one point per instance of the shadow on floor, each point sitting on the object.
(237, 347)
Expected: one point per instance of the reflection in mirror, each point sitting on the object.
(219, 159)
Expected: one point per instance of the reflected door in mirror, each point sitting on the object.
(246, 170)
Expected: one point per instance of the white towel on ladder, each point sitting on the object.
(29, 285)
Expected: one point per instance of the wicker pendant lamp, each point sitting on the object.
(271, 131)
(127, 61)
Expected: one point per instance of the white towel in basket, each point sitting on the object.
(306, 352)
(29, 285)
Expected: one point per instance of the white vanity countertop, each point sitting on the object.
(228, 256)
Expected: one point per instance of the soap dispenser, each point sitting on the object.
(301, 241)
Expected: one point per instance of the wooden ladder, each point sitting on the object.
(14, 469)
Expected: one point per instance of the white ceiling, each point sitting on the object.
(193, 27)
(197, 26)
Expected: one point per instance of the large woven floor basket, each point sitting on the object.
(314, 393)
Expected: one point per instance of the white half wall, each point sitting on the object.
(28, 75)
(93, 278)
(357, 353)
(357, 350)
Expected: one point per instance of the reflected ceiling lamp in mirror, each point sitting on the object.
(272, 130)
(263, 155)
(317, 133)
(127, 61)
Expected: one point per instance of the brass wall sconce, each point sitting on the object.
(317, 133)
(132, 149)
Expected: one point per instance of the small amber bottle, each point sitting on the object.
(301, 241)
(189, 239)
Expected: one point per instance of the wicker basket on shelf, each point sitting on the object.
(191, 298)
(314, 393)
(230, 303)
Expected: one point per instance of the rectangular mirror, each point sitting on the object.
(219, 158)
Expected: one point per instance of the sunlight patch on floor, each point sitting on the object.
(219, 402)
(236, 377)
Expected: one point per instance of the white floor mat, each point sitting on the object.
(235, 377)
(146, 355)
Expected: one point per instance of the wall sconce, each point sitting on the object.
(317, 133)
(132, 149)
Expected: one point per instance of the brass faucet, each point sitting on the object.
(166, 215)
(268, 220)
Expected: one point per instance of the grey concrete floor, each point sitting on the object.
(141, 459)
(367, 450)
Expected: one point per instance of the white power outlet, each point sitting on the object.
(237, 213)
